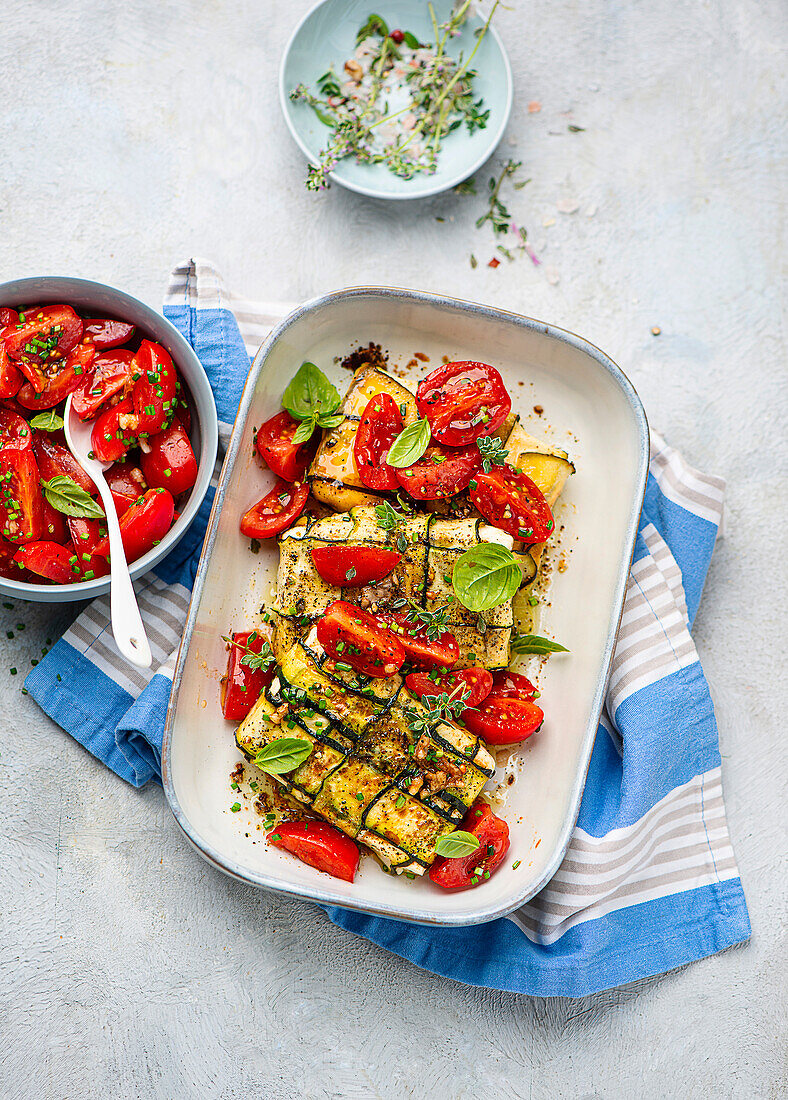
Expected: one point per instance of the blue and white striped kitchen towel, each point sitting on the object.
(650, 879)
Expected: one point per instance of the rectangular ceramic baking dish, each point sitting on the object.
(592, 411)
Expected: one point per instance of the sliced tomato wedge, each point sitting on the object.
(352, 566)
(242, 685)
(502, 720)
(283, 457)
(276, 511)
(47, 559)
(85, 536)
(11, 569)
(111, 373)
(320, 845)
(155, 390)
(8, 317)
(380, 424)
(14, 429)
(440, 473)
(63, 378)
(46, 336)
(463, 401)
(54, 460)
(126, 483)
(54, 528)
(422, 650)
(465, 872)
(11, 378)
(512, 502)
(143, 525)
(352, 636)
(21, 500)
(477, 681)
(512, 685)
(106, 332)
(114, 431)
(169, 463)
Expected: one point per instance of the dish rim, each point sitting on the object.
(208, 435)
(320, 894)
(376, 193)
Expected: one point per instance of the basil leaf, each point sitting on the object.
(47, 421)
(410, 444)
(456, 844)
(310, 394)
(304, 430)
(283, 755)
(411, 40)
(332, 421)
(534, 643)
(67, 497)
(486, 576)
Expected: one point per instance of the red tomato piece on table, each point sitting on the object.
(113, 431)
(504, 720)
(143, 525)
(463, 872)
(352, 636)
(276, 511)
(512, 685)
(106, 332)
(47, 559)
(112, 372)
(170, 463)
(352, 566)
(14, 429)
(21, 500)
(54, 460)
(320, 845)
(463, 401)
(46, 336)
(440, 473)
(126, 483)
(440, 651)
(242, 685)
(60, 381)
(477, 681)
(380, 424)
(283, 457)
(155, 389)
(512, 502)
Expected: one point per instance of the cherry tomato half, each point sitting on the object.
(503, 721)
(46, 335)
(423, 651)
(54, 460)
(320, 845)
(106, 332)
(352, 566)
(380, 424)
(274, 442)
(14, 429)
(477, 681)
(242, 685)
(155, 389)
(351, 635)
(440, 473)
(170, 462)
(21, 501)
(512, 685)
(111, 372)
(126, 483)
(511, 501)
(463, 401)
(60, 379)
(113, 431)
(465, 872)
(275, 511)
(143, 525)
(47, 559)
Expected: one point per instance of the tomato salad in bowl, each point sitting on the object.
(375, 690)
(132, 390)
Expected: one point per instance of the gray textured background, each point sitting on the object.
(134, 135)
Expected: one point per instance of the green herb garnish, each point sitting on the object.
(485, 576)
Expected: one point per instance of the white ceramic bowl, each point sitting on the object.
(99, 300)
(592, 411)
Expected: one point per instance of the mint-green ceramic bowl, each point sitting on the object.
(327, 35)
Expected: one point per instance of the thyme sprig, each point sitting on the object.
(492, 451)
(431, 623)
(255, 661)
(447, 705)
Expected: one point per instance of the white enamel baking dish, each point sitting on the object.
(592, 411)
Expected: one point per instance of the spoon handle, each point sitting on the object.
(127, 628)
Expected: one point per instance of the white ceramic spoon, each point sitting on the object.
(127, 627)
